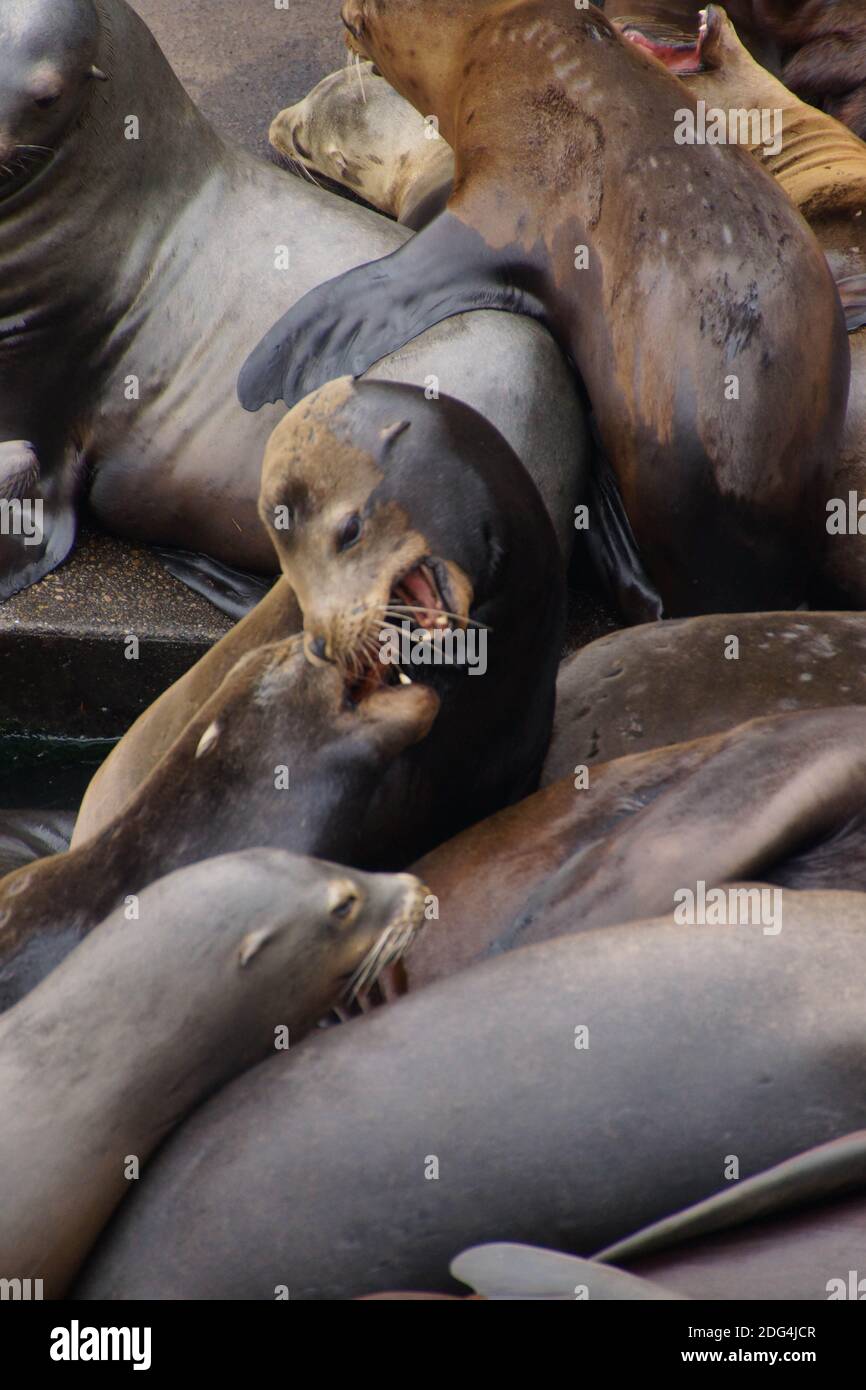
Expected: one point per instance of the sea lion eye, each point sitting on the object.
(350, 532)
(45, 103)
(347, 904)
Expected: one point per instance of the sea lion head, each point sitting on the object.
(48, 64)
(422, 557)
(349, 128)
(316, 933)
(388, 508)
(396, 35)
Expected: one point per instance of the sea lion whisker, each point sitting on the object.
(360, 76)
(420, 608)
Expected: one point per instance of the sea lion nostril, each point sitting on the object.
(318, 647)
(299, 148)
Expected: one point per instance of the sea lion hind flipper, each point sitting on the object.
(852, 292)
(345, 325)
(613, 548)
(232, 591)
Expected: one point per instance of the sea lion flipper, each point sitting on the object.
(232, 591)
(852, 292)
(613, 548)
(350, 322)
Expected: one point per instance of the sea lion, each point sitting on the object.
(147, 1018)
(777, 800)
(355, 129)
(492, 1119)
(276, 757)
(792, 1232)
(648, 686)
(567, 210)
(446, 518)
(129, 228)
(821, 165)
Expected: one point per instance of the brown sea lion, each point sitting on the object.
(568, 210)
(146, 1018)
(566, 1094)
(821, 165)
(777, 800)
(384, 506)
(130, 229)
(355, 129)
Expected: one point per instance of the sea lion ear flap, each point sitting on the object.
(852, 292)
(97, 74)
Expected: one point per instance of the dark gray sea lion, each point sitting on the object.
(148, 1016)
(675, 681)
(566, 1094)
(277, 757)
(568, 210)
(386, 507)
(131, 231)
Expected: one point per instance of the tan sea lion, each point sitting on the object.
(567, 210)
(147, 1017)
(355, 129)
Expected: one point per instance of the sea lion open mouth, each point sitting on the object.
(391, 945)
(421, 596)
(22, 167)
(679, 52)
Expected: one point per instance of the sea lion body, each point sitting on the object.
(821, 166)
(547, 164)
(448, 521)
(276, 757)
(702, 1042)
(777, 800)
(148, 1016)
(160, 256)
(793, 1232)
(671, 682)
(355, 129)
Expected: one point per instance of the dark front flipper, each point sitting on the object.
(852, 292)
(232, 591)
(613, 548)
(347, 324)
(37, 526)
(26, 836)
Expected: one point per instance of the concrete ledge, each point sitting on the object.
(63, 643)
